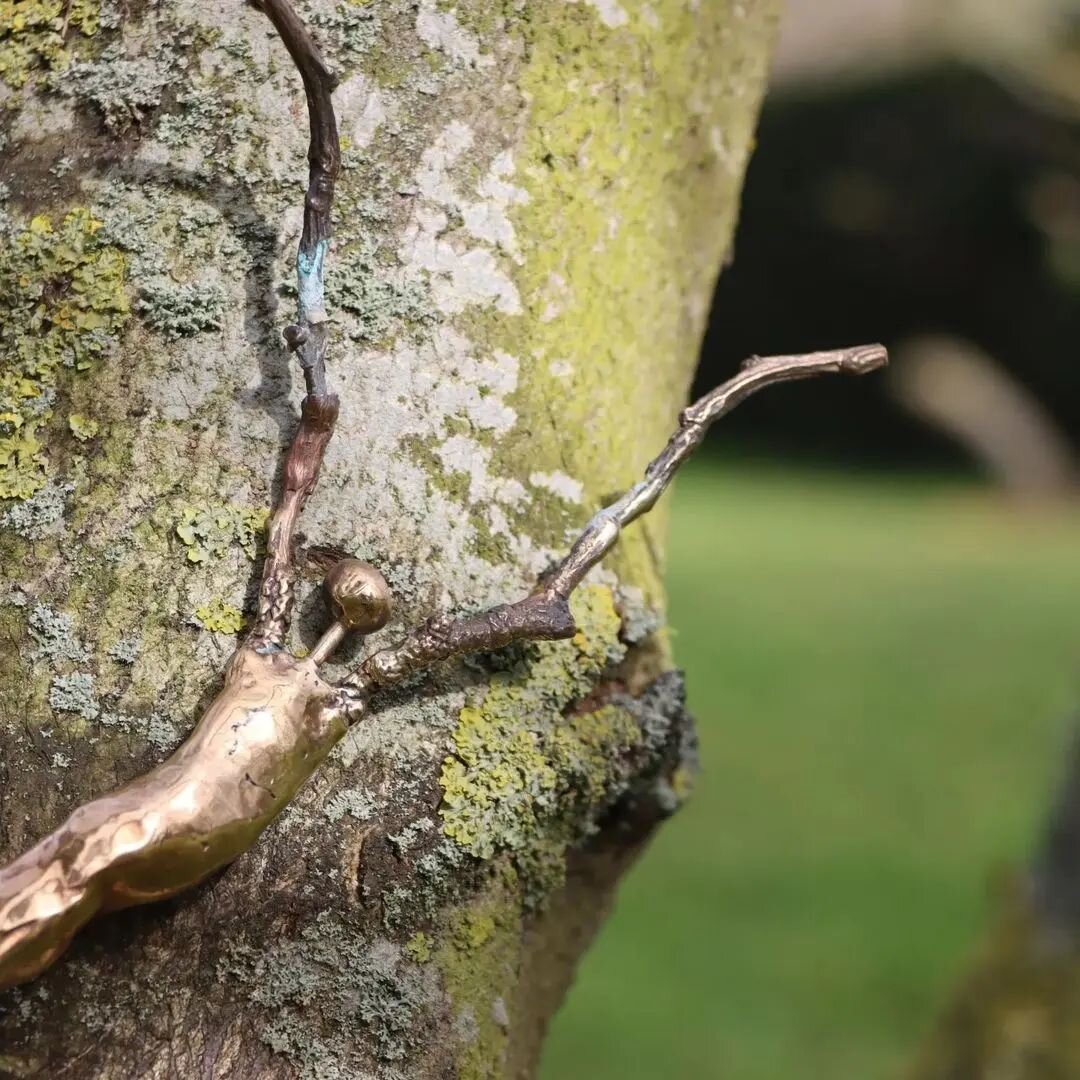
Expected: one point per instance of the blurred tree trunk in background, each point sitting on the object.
(1016, 1011)
(535, 202)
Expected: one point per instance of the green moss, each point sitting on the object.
(62, 305)
(478, 960)
(529, 774)
(209, 530)
(32, 35)
(220, 617)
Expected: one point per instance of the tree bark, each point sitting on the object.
(535, 202)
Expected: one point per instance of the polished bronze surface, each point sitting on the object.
(359, 596)
(303, 463)
(271, 726)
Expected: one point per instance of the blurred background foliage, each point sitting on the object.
(875, 589)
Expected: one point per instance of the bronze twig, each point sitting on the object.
(546, 613)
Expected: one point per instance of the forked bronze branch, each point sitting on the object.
(276, 718)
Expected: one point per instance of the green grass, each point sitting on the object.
(882, 672)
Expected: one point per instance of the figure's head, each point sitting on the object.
(359, 595)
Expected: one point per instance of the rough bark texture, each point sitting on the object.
(536, 199)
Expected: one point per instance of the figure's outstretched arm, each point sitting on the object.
(546, 613)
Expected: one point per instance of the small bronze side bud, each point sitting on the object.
(359, 596)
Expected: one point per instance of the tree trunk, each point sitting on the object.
(535, 202)
(1016, 1011)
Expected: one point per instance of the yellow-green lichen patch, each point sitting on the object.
(62, 305)
(220, 617)
(35, 35)
(419, 947)
(478, 958)
(208, 531)
(632, 158)
(524, 762)
(82, 427)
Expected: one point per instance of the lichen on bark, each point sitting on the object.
(534, 204)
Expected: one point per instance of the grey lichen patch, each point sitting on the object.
(74, 693)
(123, 90)
(158, 729)
(670, 738)
(326, 986)
(177, 310)
(381, 298)
(39, 515)
(54, 634)
(126, 650)
(354, 802)
(405, 839)
(639, 619)
(349, 29)
(169, 237)
(199, 116)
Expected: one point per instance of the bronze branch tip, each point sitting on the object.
(864, 358)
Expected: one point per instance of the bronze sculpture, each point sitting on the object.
(275, 719)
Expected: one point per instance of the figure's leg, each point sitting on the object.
(308, 336)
